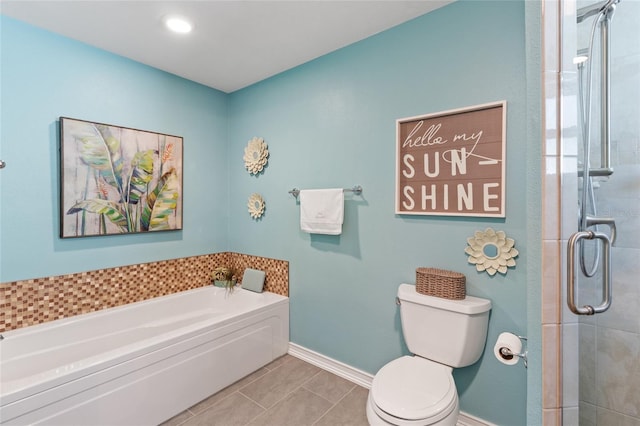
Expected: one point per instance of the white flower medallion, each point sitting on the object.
(491, 251)
(256, 206)
(255, 155)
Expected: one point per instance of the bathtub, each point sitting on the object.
(142, 363)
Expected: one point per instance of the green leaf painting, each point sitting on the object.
(117, 180)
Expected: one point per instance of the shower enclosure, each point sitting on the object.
(600, 198)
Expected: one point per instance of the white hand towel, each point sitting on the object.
(322, 211)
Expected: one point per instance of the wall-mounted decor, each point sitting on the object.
(256, 206)
(117, 180)
(491, 251)
(452, 163)
(256, 155)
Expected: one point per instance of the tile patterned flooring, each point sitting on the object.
(287, 391)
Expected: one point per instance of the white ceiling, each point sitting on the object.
(234, 43)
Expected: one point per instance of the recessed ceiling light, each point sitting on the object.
(178, 24)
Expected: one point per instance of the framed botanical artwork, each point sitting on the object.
(118, 180)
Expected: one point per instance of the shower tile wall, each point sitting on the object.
(552, 192)
(601, 380)
(610, 385)
(568, 129)
(34, 301)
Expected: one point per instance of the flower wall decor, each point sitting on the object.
(255, 155)
(256, 206)
(491, 251)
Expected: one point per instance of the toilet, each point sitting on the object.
(442, 334)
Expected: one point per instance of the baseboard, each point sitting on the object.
(360, 377)
(465, 419)
(338, 368)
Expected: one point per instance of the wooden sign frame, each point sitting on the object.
(452, 163)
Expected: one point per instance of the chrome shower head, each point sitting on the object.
(607, 6)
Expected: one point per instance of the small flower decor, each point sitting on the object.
(222, 276)
(491, 251)
(256, 206)
(255, 155)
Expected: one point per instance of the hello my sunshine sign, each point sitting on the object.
(452, 163)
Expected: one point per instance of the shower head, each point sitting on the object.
(596, 8)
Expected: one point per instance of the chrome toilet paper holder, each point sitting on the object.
(507, 354)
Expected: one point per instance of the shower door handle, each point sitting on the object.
(610, 222)
(572, 272)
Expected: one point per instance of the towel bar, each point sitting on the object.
(357, 190)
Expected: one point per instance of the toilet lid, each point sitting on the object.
(414, 388)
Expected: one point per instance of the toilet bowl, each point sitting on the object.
(413, 391)
(442, 334)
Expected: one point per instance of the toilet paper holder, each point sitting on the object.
(507, 354)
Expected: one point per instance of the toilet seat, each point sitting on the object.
(412, 390)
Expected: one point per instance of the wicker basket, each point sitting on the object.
(441, 283)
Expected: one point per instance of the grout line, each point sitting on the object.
(300, 386)
(269, 371)
(249, 383)
(285, 359)
(237, 391)
(316, 394)
(322, 416)
(334, 405)
(251, 399)
(256, 402)
(215, 403)
(257, 415)
(309, 379)
(320, 396)
(185, 420)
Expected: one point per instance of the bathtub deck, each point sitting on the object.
(287, 391)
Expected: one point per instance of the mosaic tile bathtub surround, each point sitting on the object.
(34, 301)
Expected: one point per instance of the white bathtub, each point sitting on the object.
(138, 364)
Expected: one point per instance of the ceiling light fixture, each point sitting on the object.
(178, 24)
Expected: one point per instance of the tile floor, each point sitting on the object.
(287, 391)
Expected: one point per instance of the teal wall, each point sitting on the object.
(331, 123)
(45, 76)
(534, 48)
(328, 123)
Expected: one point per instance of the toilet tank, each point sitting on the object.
(451, 332)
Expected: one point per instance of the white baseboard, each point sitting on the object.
(360, 377)
(338, 368)
(465, 419)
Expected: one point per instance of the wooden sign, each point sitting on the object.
(452, 163)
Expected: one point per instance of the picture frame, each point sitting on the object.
(452, 163)
(118, 180)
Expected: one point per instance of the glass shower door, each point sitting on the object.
(607, 345)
